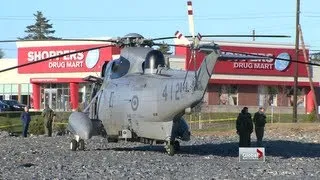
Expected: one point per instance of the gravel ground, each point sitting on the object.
(291, 155)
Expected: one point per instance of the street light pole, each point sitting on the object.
(295, 87)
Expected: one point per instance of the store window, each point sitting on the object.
(7, 88)
(13, 97)
(228, 95)
(84, 94)
(300, 96)
(14, 88)
(268, 95)
(57, 96)
(25, 99)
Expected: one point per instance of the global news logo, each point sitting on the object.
(251, 155)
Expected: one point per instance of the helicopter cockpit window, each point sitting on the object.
(107, 71)
(104, 68)
(119, 67)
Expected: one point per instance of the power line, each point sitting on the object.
(126, 19)
(5, 49)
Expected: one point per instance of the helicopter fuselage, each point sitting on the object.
(144, 103)
(141, 98)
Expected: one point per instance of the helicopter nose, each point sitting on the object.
(81, 125)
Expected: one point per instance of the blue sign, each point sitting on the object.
(280, 63)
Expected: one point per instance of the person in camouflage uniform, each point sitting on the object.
(48, 115)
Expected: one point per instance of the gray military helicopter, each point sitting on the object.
(138, 97)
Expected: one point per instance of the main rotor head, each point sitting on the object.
(134, 40)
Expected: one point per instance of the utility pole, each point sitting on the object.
(253, 35)
(309, 74)
(295, 87)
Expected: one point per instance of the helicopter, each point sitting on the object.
(138, 97)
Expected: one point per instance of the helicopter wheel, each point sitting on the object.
(176, 145)
(81, 145)
(170, 148)
(73, 145)
(103, 133)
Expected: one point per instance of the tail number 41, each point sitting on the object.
(175, 91)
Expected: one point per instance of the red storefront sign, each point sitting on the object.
(86, 61)
(266, 67)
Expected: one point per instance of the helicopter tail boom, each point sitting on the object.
(205, 70)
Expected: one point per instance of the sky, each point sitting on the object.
(107, 18)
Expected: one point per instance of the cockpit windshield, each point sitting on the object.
(116, 68)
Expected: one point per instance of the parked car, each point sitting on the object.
(14, 105)
(4, 107)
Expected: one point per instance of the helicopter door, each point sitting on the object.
(111, 100)
(110, 114)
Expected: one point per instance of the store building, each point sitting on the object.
(59, 82)
(258, 82)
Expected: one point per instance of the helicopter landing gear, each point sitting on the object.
(81, 145)
(170, 148)
(77, 143)
(73, 145)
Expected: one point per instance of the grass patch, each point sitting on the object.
(285, 128)
(10, 124)
(10, 121)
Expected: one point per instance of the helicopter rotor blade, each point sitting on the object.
(181, 37)
(29, 40)
(228, 36)
(174, 45)
(53, 57)
(246, 35)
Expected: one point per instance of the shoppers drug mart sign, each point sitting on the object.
(81, 61)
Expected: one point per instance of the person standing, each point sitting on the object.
(259, 120)
(48, 115)
(244, 127)
(25, 118)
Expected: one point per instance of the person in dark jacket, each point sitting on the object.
(244, 128)
(25, 118)
(259, 120)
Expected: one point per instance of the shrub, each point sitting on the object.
(7, 123)
(36, 125)
(312, 117)
(62, 116)
(60, 127)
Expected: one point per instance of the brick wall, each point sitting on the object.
(248, 95)
(213, 94)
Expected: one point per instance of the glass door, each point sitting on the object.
(50, 98)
